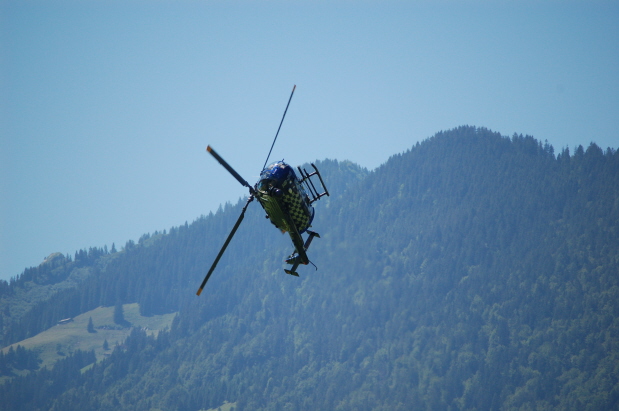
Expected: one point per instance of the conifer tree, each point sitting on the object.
(91, 327)
(119, 315)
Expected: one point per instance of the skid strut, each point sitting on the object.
(306, 179)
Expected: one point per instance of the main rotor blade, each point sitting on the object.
(280, 126)
(221, 252)
(230, 169)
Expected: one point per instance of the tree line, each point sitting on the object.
(474, 271)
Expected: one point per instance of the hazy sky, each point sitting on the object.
(106, 107)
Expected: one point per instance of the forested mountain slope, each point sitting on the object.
(473, 271)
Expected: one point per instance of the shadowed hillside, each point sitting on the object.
(473, 271)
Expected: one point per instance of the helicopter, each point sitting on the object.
(286, 199)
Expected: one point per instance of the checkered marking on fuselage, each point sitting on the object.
(296, 208)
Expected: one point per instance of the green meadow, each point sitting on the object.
(227, 406)
(63, 339)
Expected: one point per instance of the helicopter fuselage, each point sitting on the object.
(284, 199)
(288, 207)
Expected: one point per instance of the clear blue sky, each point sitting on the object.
(106, 107)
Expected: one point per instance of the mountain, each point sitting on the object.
(474, 271)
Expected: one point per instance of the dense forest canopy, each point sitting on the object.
(474, 271)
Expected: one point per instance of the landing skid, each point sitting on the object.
(296, 259)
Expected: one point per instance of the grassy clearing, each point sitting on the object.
(226, 406)
(63, 339)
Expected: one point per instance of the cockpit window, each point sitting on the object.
(265, 185)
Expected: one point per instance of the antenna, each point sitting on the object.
(280, 126)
